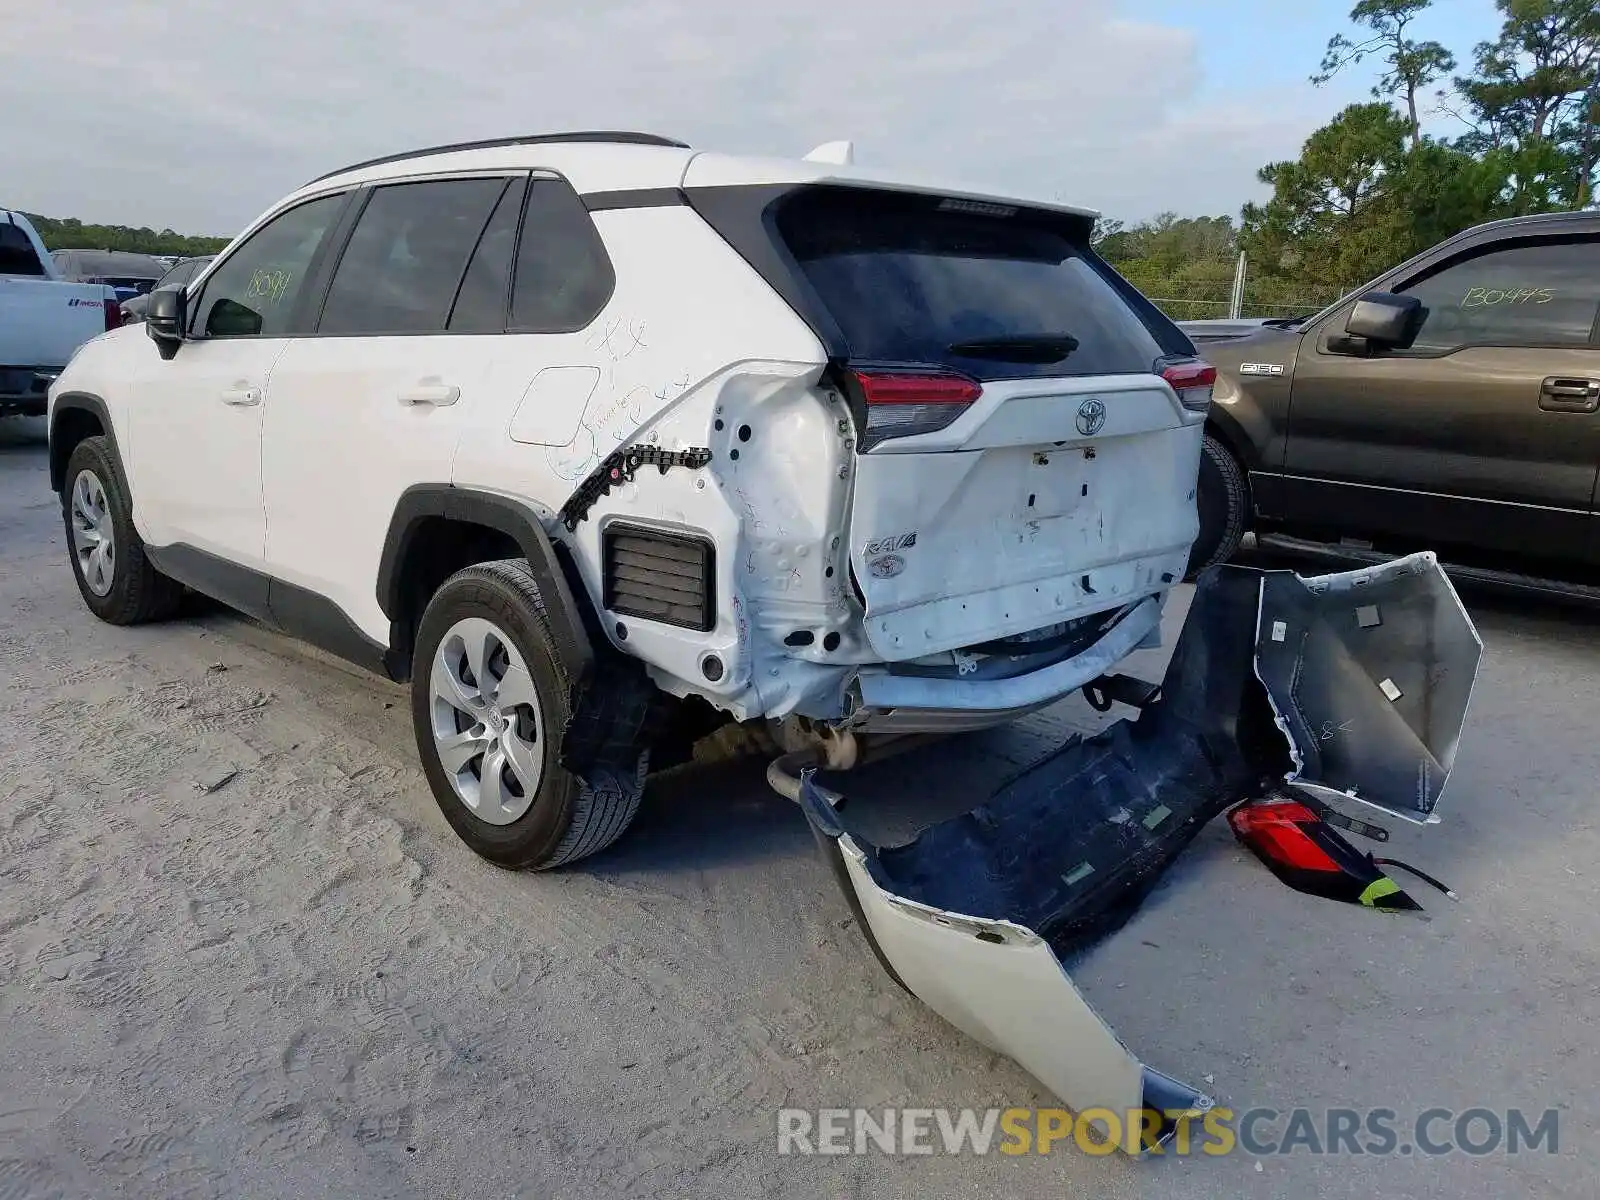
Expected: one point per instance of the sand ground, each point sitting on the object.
(242, 955)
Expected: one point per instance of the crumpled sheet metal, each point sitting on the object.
(973, 915)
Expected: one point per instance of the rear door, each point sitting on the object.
(1021, 461)
(372, 403)
(1484, 433)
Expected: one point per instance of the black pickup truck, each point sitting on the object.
(1453, 404)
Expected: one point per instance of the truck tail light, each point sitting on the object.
(1192, 379)
(905, 403)
(113, 314)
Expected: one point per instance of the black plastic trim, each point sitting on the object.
(706, 617)
(506, 516)
(634, 198)
(316, 619)
(285, 607)
(240, 588)
(619, 137)
(82, 402)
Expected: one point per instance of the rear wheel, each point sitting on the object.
(114, 577)
(1222, 497)
(490, 703)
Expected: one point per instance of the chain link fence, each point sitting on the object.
(1183, 303)
(1213, 290)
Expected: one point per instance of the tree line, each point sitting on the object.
(72, 234)
(1370, 188)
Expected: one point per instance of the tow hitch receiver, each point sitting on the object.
(1352, 685)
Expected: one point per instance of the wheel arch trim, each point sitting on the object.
(78, 402)
(504, 515)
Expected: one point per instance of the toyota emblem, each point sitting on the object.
(1091, 417)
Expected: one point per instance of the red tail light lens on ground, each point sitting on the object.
(1309, 855)
(904, 403)
(1276, 830)
(1193, 380)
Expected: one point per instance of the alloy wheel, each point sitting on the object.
(94, 542)
(488, 729)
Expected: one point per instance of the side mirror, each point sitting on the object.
(164, 320)
(1385, 321)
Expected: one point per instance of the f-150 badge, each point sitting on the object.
(1261, 368)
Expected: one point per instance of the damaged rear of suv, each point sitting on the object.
(1011, 433)
(558, 428)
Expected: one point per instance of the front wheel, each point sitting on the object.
(1222, 497)
(490, 703)
(116, 580)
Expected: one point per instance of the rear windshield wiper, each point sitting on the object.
(1022, 347)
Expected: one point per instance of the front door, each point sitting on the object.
(1477, 434)
(373, 401)
(197, 417)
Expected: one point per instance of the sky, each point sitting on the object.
(196, 115)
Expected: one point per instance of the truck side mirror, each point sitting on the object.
(1385, 321)
(164, 320)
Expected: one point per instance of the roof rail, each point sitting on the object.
(587, 135)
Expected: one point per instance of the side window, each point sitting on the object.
(1535, 294)
(564, 276)
(483, 303)
(405, 260)
(253, 292)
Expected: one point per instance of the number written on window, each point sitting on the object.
(253, 292)
(1535, 294)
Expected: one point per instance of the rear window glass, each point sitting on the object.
(907, 279)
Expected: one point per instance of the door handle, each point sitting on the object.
(1561, 394)
(436, 395)
(242, 397)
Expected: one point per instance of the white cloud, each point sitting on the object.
(196, 114)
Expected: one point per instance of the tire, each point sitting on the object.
(510, 731)
(1223, 498)
(114, 577)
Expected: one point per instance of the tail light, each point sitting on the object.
(113, 314)
(1193, 380)
(904, 403)
(1309, 855)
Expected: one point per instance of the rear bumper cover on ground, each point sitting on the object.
(1355, 685)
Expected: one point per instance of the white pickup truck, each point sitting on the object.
(43, 320)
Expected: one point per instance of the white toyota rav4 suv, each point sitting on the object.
(597, 439)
